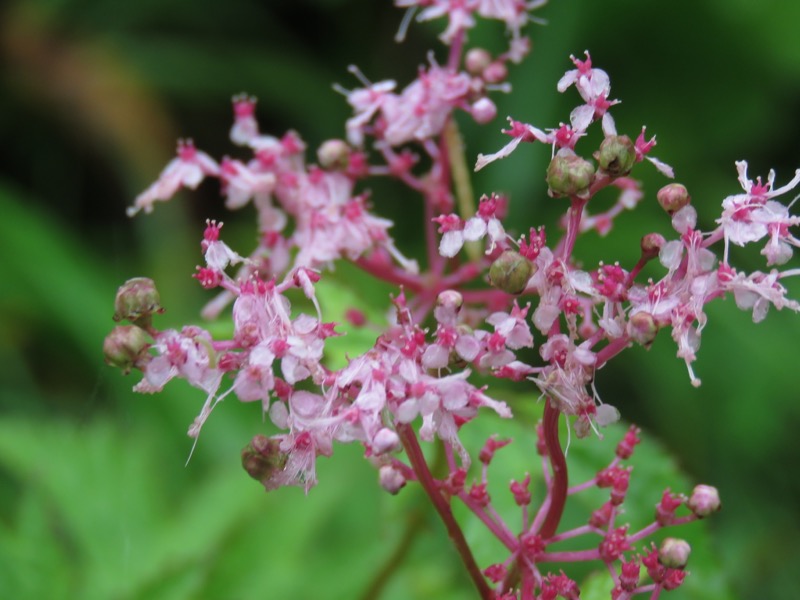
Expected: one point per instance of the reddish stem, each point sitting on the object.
(558, 487)
(574, 216)
(381, 269)
(442, 506)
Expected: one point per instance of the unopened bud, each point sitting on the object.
(483, 111)
(704, 501)
(673, 197)
(674, 553)
(333, 154)
(385, 440)
(125, 347)
(262, 457)
(495, 72)
(391, 479)
(137, 300)
(651, 245)
(511, 272)
(642, 328)
(569, 174)
(476, 60)
(616, 155)
(450, 299)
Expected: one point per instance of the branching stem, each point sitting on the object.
(442, 506)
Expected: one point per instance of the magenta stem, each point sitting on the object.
(442, 506)
(558, 464)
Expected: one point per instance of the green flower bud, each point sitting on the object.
(126, 347)
(262, 458)
(569, 174)
(673, 197)
(511, 272)
(674, 553)
(616, 155)
(137, 299)
(642, 328)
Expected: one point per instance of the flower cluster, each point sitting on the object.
(418, 380)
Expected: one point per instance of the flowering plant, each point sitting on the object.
(424, 378)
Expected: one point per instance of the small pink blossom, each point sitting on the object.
(245, 126)
(594, 86)
(484, 223)
(751, 216)
(513, 327)
(421, 110)
(188, 169)
(218, 254)
(366, 102)
(642, 147)
(240, 183)
(519, 132)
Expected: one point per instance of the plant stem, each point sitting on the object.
(442, 506)
(558, 489)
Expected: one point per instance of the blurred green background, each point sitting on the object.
(95, 501)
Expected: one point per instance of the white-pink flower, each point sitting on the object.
(483, 223)
(245, 126)
(594, 86)
(751, 216)
(188, 169)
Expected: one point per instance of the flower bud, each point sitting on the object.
(450, 300)
(704, 501)
(510, 272)
(674, 553)
(476, 60)
(262, 457)
(125, 347)
(569, 174)
(496, 72)
(651, 245)
(391, 479)
(483, 110)
(616, 155)
(673, 197)
(137, 299)
(333, 154)
(642, 328)
(385, 441)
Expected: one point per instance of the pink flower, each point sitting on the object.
(642, 147)
(255, 379)
(245, 127)
(218, 254)
(483, 223)
(240, 183)
(513, 327)
(188, 169)
(594, 87)
(459, 15)
(187, 354)
(366, 102)
(751, 216)
(450, 335)
(520, 132)
(420, 112)
(757, 292)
